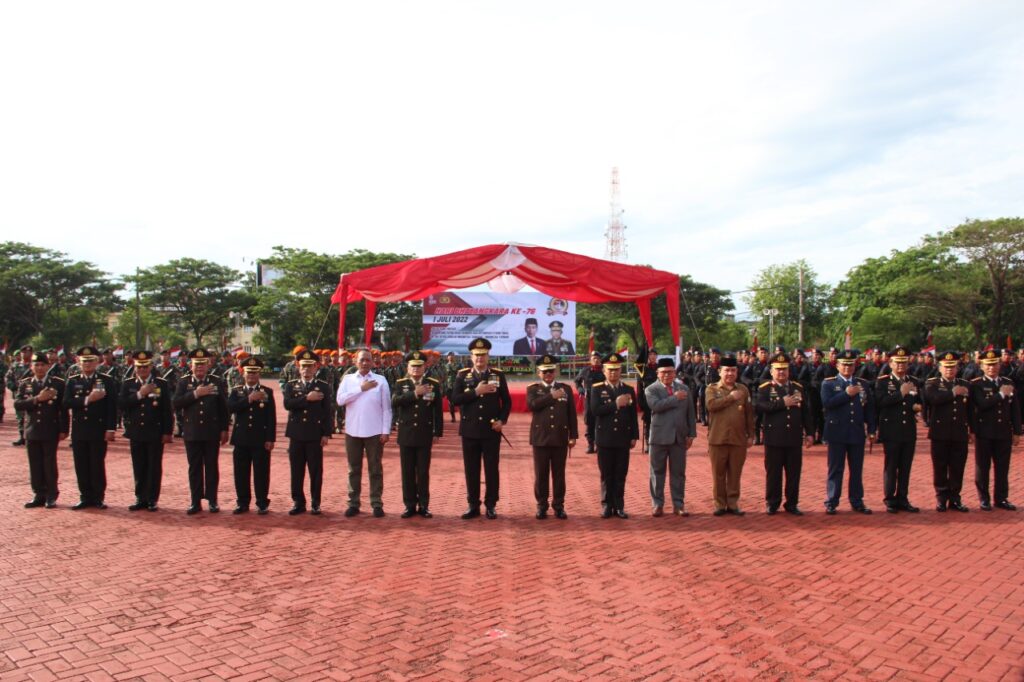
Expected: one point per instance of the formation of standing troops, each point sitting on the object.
(780, 401)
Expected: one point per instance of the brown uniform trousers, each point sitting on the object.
(731, 424)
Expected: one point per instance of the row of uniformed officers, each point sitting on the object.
(85, 407)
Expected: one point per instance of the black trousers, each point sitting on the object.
(302, 455)
(588, 419)
(415, 461)
(819, 414)
(899, 457)
(148, 468)
(779, 460)
(252, 462)
(90, 469)
(42, 469)
(614, 465)
(949, 459)
(549, 462)
(203, 469)
(473, 450)
(990, 453)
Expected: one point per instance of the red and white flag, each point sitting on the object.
(176, 351)
(119, 351)
(590, 348)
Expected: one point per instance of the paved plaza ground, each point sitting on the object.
(115, 594)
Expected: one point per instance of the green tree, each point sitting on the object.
(778, 287)
(154, 326)
(196, 296)
(51, 299)
(296, 308)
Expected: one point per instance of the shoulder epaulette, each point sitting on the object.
(74, 376)
(57, 378)
(767, 383)
(296, 381)
(832, 378)
(599, 383)
(432, 379)
(797, 384)
(976, 379)
(495, 369)
(465, 369)
(884, 376)
(26, 379)
(536, 383)
(932, 379)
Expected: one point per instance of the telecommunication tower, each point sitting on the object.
(615, 235)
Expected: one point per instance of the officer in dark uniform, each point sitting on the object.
(585, 381)
(145, 402)
(788, 423)
(898, 398)
(752, 379)
(848, 410)
(40, 397)
(949, 431)
(647, 374)
(253, 436)
(997, 430)
(710, 374)
(309, 428)
(616, 431)
(417, 403)
(481, 392)
(201, 398)
(553, 432)
(92, 399)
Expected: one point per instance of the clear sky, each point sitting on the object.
(745, 133)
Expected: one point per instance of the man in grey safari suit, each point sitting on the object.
(673, 428)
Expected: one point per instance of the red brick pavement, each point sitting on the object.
(119, 595)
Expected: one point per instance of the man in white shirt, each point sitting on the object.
(367, 402)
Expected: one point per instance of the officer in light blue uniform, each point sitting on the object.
(849, 422)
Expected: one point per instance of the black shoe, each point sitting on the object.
(621, 513)
(862, 510)
(830, 509)
(737, 512)
(137, 506)
(560, 514)
(425, 513)
(51, 504)
(240, 509)
(152, 507)
(315, 510)
(34, 503)
(351, 511)
(889, 508)
(407, 514)
(606, 513)
(795, 511)
(262, 511)
(986, 506)
(378, 512)
(214, 508)
(100, 505)
(720, 512)
(941, 507)
(471, 513)
(20, 441)
(959, 506)
(194, 509)
(1007, 505)
(772, 511)
(542, 514)
(490, 513)
(907, 507)
(591, 449)
(296, 510)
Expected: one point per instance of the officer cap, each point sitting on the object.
(200, 356)
(990, 357)
(40, 357)
(847, 357)
(251, 364)
(415, 358)
(306, 357)
(480, 346)
(613, 360)
(780, 349)
(26, 348)
(949, 358)
(547, 362)
(713, 349)
(798, 351)
(666, 362)
(87, 353)
(298, 349)
(555, 324)
(728, 360)
(780, 360)
(899, 354)
(142, 358)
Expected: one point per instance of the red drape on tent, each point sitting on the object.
(550, 271)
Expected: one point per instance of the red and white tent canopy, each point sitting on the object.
(550, 271)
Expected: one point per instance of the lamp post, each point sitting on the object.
(771, 313)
